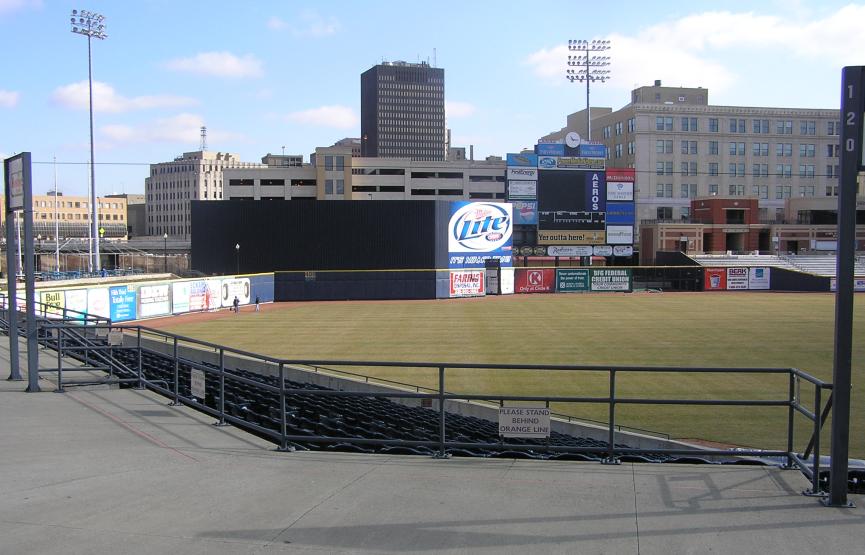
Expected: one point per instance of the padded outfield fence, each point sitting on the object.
(247, 390)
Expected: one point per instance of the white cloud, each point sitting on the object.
(457, 109)
(307, 24)
(276, 24)
(182, 128)
(219, 64)
(8, 99)
(9, 6)
(341, 117)
(689, 51)
(106, 99)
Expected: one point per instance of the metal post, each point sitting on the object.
(283, 420)
(140, 357)
(611, 456)
(791, 398)
(441, 453)
(59, 360)
(12, 298)
(852, 128)
(815, 478)
(30, 285)
(222, 388)
(176, 377)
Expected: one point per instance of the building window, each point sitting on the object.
(632, 125)
(713, 189)
(808, 127)
(760, 170)
(619, 150)
(783, 191)
(689, 124)
(713, 125)
(806, 190)
(833, 128)
(631, 149)
(689, 147)
(737, 125)
(664, 190)
(784, 127)
(688, 190)
(737, 149)
(713, 168)
(340, 186)
(761, 126)
(737, 190)
(832, 171)
(784, 149)
(760, 149)
(663, 123)
(664, 147)
(806, 151)
(736, 170)
(328, 186)
(832, 151)
(688, 168)
(784, 170)
(713, 147)
(806, 170)
(607, 132)
(619, 128)
(665, 213)
(761, 191)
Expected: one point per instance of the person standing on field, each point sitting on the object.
(236, 304)
(257, 304)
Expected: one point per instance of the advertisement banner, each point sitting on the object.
(623, 250)
(618, 191)
(715, 279)
(566, 237)
(737, 278)
(550, 149)
(580, 163)
(123, 303)
(858, 284)
(528, 160)
(527, 190)
(593, 151)
(596, 195)
(478, 231)
(569, 251)
(620, 234)
(180, 297)
(611, 279)
(572, 280)
(235, 287)
(528, 280)
(76, 303)
(525, 212)
(52, 304)
(507, 281)
(154, 300)
(467, 283)
(603, 250)
(523, 174)
(758, 278)
(99, 302)
(548, 162)
(620, 213)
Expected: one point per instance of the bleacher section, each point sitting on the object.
(822, 264)
(768, 260)
(365, 418)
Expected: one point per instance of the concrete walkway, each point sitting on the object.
(120, 471)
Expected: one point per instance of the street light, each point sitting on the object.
(237, 257)
(591, 68)
(165, 253)
(90, 24)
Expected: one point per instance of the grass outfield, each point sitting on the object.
(667, 329)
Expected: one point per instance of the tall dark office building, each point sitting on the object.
(402, 111)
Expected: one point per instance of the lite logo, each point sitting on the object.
(480, 227)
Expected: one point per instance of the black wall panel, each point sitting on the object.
(321, 235)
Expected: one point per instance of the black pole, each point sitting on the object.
(852, 108)
(164, 254)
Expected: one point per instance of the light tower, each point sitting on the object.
(203, 139)
(591, 68)
(90, 24)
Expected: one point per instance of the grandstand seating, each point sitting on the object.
(817, 264)
(347, 418)
(769, 260)
(823, 264)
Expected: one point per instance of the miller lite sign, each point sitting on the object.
(478, 231)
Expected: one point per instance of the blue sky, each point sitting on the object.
(266, 74)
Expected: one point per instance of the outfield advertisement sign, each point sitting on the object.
(737, 278)
(858, 284)
(567, 237)
(123, 305)
(99, 302)
(76, 300)
(715, 279)
(525, 212)
(154, 300)
(235, 287)
(525, 160)
(467, 283)
(758, 278)
(534, 280)
(611, 279)
(53, 303)
(479, 231)
(573, 280)
(523, 174)
(527, 190)
(574, 251)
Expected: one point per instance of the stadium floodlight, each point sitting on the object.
(90, 25)
(591, 68)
